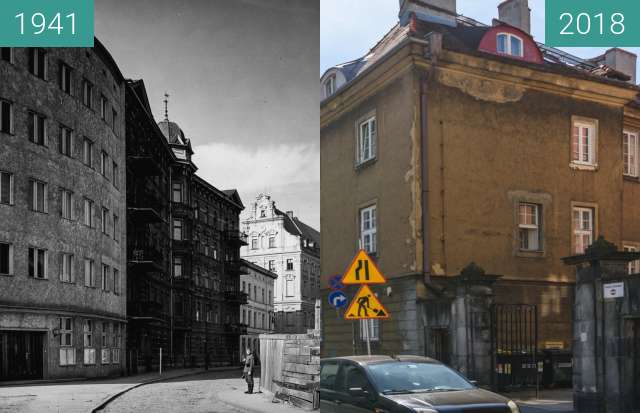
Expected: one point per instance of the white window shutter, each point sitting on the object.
(11, 259)
(46, 265)
(374, 138)
(11, 189)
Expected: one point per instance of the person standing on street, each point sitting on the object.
(247, 372)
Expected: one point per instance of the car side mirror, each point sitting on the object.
(358, 392)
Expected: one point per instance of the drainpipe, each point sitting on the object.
(170, 269)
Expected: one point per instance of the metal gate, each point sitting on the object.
(514, 346)
(21, 355)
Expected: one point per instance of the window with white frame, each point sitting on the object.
(104, 159)
(89, 351)
(289, 287)
(38, 63)
(104, 221)
(329, 86)
(89, 273)
(116, 282)
(66, 204)
(114, 172)
(630, 153)
(38, 194)
(66, 267)
(634, 266)
(272, 265)
(87, 152)
(272, 242)
(89, 213)
(254, 243)
(177, 230)
(116, 224)
(105, 351)
(6, 258)
(103, 107)
(6, 116)
(87, 93)
(65, 140)
(37, 128)
(509, 44)
(368, 229)
(582, 229)
(176, 192)
(289, 264)
(374, 329)
(65, 78)
(6, 188)
(67, 351)
(583, 142)
(367, 131)
(177, 267)
(104, 281)
(116, 338)
(38, 266)
(529, 228)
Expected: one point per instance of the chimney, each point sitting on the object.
(434, 11)
(621, 60)
(516, 13)
(290, 214)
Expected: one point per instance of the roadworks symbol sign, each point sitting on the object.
(366, 305)
(363, 270)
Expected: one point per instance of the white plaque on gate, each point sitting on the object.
(613, 290)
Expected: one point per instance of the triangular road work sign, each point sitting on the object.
(363, 270)
(365, 305)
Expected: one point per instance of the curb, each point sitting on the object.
(159, 379)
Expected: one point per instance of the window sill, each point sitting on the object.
(366, 163)
(583, 166)
(631, 178)
(530, 254)
(6, 275)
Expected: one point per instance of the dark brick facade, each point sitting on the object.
(34, 298)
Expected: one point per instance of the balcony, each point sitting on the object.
(145, 259)
(143, 165)
(236, 238)
(144, 208)
(236, 297)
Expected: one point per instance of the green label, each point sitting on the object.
(592, 23)
(46, 23)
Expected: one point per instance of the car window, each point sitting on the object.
(328, 375)
(352, 376)
(416, 377)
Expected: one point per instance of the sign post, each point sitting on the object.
(365, 304)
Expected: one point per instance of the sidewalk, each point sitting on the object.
(254, 403)
(556, 401)
(80, 396)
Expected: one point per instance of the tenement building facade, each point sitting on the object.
(62, 213)
(454, 142)
(257, 314)
(283, 244)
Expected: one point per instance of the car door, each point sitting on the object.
(328, 381)
(352, 376)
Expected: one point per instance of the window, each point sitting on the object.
(89, 351)
(65, 140)
(89, 276)
(103, 107)
(177, 267)
(198, 310)
(67, 351)
(6, 188)
(330, 86)
(272, 242)
(66, 267)
(6, 258)
(38, 195)
(509, 44)
(254, 243)
(583, 143)
(529, 226)
(114, 171)
(87, 92)
(366, 140)
(87, 152)
(37, 128)
(289, 284)
(368, 229)
(65, 78)
(38, 263)
(289, 264)
(244, 286)
(104, 282)
(630, 153)
(582, 229)
(633, 267)
(272, 265)
(105, 353)
(89, 213)
(6, 116)
(374, 329)
(116, 282)
(177, 229)
(177, 192)
(114, 120)
(105, 221)
(104, 158)
(116, 233)
(6, 54)
(38, 63)
(66, 203)
(116, 339)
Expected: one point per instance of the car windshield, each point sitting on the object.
(409, 377)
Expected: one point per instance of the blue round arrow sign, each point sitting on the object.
(338, 299)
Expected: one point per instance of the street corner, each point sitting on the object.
(261, 401)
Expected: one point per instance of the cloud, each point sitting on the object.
(289, 173)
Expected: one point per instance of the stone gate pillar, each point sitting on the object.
(471, 323)
(603, 379)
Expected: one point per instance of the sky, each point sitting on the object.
(348, 29)
(242, 77)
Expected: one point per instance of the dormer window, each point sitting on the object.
(330, 86)
(509, 44)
